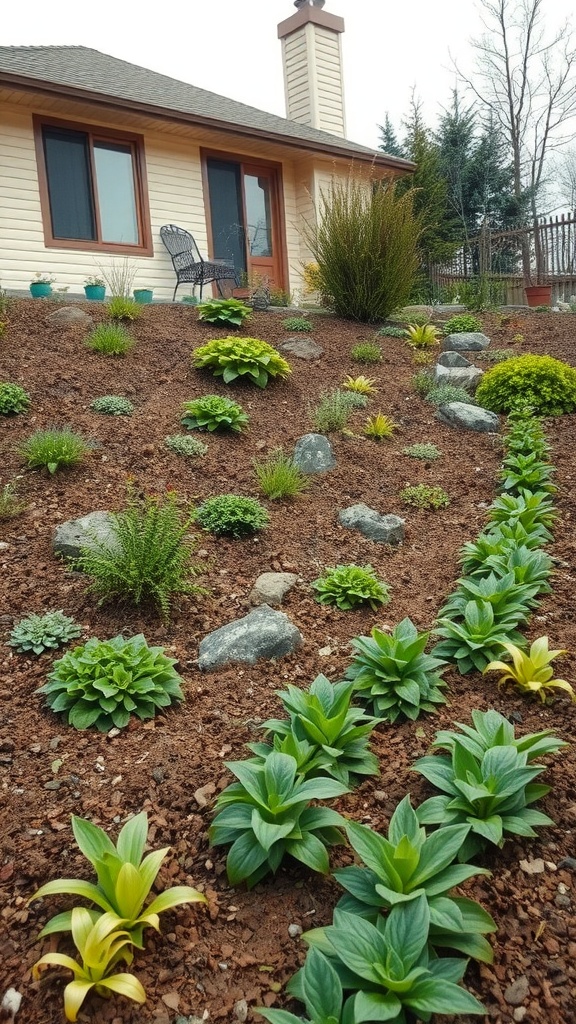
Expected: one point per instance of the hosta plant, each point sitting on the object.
(231, 515)
(212, 412)
(394, 675)
(320, 991)
(232, 312)
(422, 335)
(266, 815)
(103, 683)
(54, 449)
(532, 567)
(531, 509)
(362, 385)
(241, 358)
(500, 541)
(531, 673)
(378, 427)
(113, 405)
(102, 943)
(39, 633)
(124, 880)
(350, 586)
(388, 968)
(323, 715)
(526, 472)
(406, 863)
(13, 399)
(476, 637)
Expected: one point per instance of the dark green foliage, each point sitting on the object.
(231, 515)
(526, 473)
(39, 633)
(112, 405)
(507, 596)
(212, 412)
(545, 384)
(390, 331)
(462, 323)
(103, 683)
(54, 448)
(476, 637)
(230, 312)
(13, 399)
(349, 586)
(422, 382)
(366, 352)
(244, 358)
(297, 323)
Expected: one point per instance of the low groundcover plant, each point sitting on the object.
(231, 515)
(349, 586)
(188, 446)
(13, 399)
(113, 405)
(39, 633)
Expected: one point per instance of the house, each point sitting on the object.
(96, 154)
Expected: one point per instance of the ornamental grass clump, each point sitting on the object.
(279, 477)
(378, 427)
(241, 358)
(110, 339)
(103, 683)
(55, 448)
(121, 307)
(10, 504)
(39, 633)
(13, 399)
(351, 586)
(229, 312)
(545, 384)
(212, 412)
(231, 515)
(113, 405)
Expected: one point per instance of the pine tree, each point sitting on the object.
(389, 143)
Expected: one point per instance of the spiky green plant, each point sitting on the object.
(110, 339)
(279, 477)
(378, 427)
(54, 449)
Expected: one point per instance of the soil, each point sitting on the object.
(239, 948)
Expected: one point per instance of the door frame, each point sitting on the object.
(245, 160)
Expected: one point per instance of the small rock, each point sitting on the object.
(55, 742)
(468, 341)
(53, 784)
(241, 1010)
(69, 315)
(263, 633)
(202, 795)
(452, 359)
(324, 652)
(517, 992)
(519, 1013)
(386, 529)
(468, 417)
(533, 867)
(568, 862)
(114, 731)
(3, 545)
(380, 795)
(11, 1002)
(158, 775)
(271, 588)
(467, 377)
(313, 454)
(562, 889)
(294, 930)
(73, 535)
(301, 348)
(562, 901)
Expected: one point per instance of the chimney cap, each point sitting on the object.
(305, 3)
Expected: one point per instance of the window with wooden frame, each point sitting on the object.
(92, 187)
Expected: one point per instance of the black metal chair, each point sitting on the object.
(189, 265)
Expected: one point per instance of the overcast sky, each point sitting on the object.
(231, 46)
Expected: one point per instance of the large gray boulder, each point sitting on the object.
(263, 633)
(467, 377)
(313, 454)
(386, 529)
(301, 348)
(468, 417)
(452, 359)
(468, 341)
(272, 587)
(73, 535)
(69, 315)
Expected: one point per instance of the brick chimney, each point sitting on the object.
(312, 57)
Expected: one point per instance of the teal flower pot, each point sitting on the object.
(39, 290)
(95, 292)
(143, 295)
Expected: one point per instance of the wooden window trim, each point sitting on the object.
(96, 134)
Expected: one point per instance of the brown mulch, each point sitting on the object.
(240, 948)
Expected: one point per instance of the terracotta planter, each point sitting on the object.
(538, 294)
(241, 293)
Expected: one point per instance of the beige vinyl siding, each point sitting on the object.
(329, 82)
(296, 78)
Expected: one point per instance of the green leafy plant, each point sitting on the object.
(39, 633)
(321, 993)
(279, 477)
(10, 503)
(406, 863)
(388, 968)
(494, 355)
(531, 673)
(499, 541)
(188, 446)
(231, 515)
(102, 683)
(422, 335)
(526, 472)
(362, 385)
(297, 323)
(391, 331)
(350, 586)
(422, 383)
(462, 323)
(113, 405)
(267, 814)
(422, 357)
(474, 639)
(102, 944)
(491, 729)
(394, 675)
(378, 427)
(231, 312)
(323, 716)
(442, 394)
(532, 510)
(366, 352)
(424, 496)
(190, 300)
(333, 411)
(424, 450)
(13, 399)
(508, 598)
(148, 557)
(120, 307)
(212, 412)
(124, 880)
(110, 339)
(545, 384)
(244, 358)
(528, 566)
(54, 449)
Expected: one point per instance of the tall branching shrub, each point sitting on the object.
(365, 243)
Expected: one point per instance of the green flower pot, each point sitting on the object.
(95, 292)
(40, 290)
(143, 295)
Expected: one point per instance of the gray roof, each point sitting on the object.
(86, 70)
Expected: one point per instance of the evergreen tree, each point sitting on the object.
(389, 143)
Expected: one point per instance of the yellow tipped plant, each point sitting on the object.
(531, 673)
(422, 335)
(379, 426)
(102, 943)
(361, 385)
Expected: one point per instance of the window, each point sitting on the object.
(93, 190)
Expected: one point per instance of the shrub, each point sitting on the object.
(231, 515)
(378, 427)
(113, 405)
(231, 312)
(361, 385)
(442, 394)
(422, 383)
(267, 814)
(391, 331)
(148, 556)
(13, 399)
(531, 673)
(366, 352)
(545, 384)
(332, 411)
(102, 683)
(39, 633)
(422, 335)
(350, 586)
(425, 450)
(182, 445)
(10, 503)
(423, 496)
(54, 448)
(121, 307)
(393, 675)
(365, 242)
(297, 323)
(247, 358)
(463, 323)
(212, 412)
(279, 477)
(110, 339)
